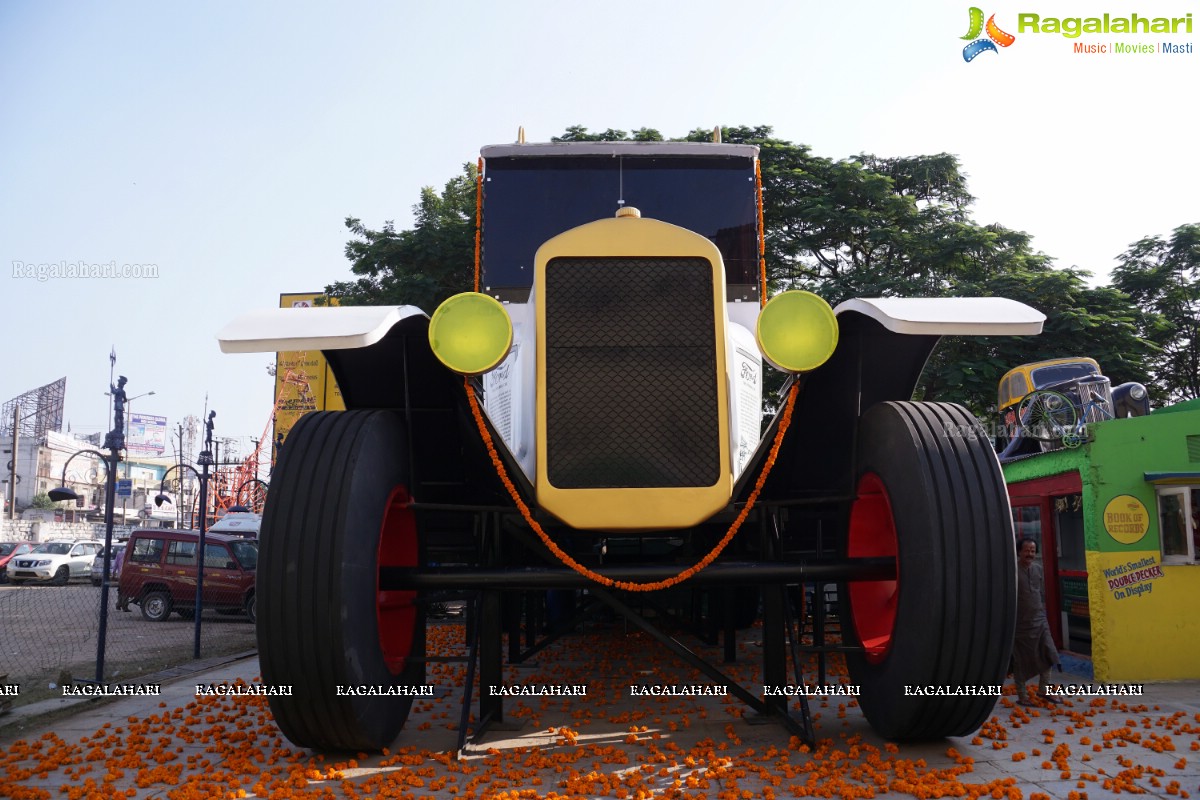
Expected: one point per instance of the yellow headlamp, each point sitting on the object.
(797, 331)
(470, 333)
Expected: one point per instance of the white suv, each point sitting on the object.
(57, 560)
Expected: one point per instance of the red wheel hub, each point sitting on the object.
(873, 535)
(396, 611)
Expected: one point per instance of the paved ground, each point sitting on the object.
(49, 629)
(606, 745)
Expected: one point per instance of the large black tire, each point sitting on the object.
(931, 494)
(62, 576)
(336, 512)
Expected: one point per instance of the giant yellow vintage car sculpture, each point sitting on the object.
(590, 415)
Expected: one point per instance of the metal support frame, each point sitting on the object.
(491, 583)
(727, 573)
(489, 634)
(774, 655)
(691, 659)
(464, 717)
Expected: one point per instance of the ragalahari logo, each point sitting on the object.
(995, 36)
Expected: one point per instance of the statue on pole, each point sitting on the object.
(206, 455)
(115, 440)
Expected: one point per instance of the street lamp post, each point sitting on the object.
(114, 442)
(205, 460)
(110, 461)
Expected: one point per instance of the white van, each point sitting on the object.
(238, 523)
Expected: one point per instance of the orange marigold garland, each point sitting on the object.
(785, 421)
(478, 215)
(762, 236)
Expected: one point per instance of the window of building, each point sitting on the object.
(1178, 526)
(1071, 572)
(1068, 524)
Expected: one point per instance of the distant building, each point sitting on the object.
(40, 469)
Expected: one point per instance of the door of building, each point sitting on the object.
(1049, 511)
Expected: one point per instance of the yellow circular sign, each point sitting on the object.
(1126, 519)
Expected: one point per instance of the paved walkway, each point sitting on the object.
(179, 745)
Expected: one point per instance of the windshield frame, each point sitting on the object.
(1057, 374)
(531, 196)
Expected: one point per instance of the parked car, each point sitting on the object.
(9, 551)
(98, 565)
(58, 560)
(159, 573)
(240, 523)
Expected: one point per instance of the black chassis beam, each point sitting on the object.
(850, 569)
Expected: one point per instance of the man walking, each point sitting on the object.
(1033, 648)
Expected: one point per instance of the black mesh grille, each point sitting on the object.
(631, 377)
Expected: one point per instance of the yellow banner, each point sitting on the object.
(303, 380)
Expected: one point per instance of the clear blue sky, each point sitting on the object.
(225, 143)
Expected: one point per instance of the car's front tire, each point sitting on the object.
(935, 501)
(337, 512)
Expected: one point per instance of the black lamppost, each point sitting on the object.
(205, 460)
(64, 492)
(114, 442)
(238, 507)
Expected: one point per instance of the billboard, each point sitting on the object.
(41, 410)
(303, 380)
(147, 436)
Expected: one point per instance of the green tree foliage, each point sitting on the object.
(578, 133)
(901, 227)
(41, 500)
(1162, 276)
(864, 226)
(422, 266)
